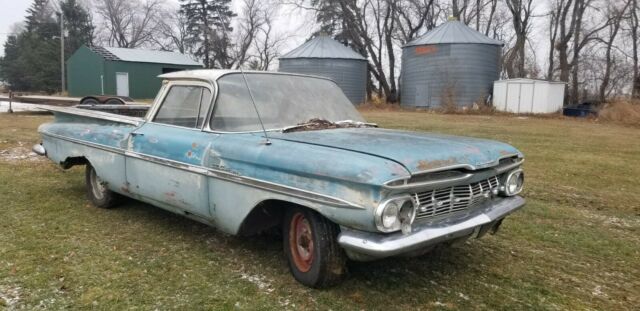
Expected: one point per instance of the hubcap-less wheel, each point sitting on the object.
(301, 242)
(97, 191)
(311, 246)
(97, 187)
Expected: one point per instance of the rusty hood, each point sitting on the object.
(417, 152)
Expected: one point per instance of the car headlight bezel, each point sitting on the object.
(396, 213)
(514, 178)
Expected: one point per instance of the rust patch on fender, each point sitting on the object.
(194, 145)
(424, 165)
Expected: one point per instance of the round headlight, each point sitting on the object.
(514, 183)
(390, 215)
(396, 214)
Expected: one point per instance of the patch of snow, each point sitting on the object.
(597, 291)
(259, 280)
(18, 107)
(463, 296)
(10, 296)
(20, 153)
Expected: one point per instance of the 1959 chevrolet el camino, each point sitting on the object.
(246, 152)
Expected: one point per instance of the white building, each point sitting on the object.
(528, 96)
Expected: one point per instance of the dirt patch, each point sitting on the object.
(20, 153)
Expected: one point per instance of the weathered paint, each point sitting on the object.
(417, 152)
(218, 178)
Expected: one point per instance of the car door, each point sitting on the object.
(165, 155)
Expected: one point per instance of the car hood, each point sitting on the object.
(417, 152)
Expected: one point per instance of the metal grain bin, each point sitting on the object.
(323, 56)
(450, 64)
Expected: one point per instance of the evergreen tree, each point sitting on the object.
(207, 21)
(78, 25)
(32, 58)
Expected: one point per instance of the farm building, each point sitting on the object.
(528, 96)
(124, 72)
(323, 56)
(451, 64)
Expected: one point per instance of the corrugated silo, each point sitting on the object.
(450, 64)
(323, 56)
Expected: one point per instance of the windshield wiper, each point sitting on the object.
(321, 124)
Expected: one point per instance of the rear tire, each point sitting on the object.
(311, 246)
(99, 195)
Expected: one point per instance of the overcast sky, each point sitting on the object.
(296, 24)
(11, 11)
(14, 11)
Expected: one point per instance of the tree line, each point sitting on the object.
(592, 45)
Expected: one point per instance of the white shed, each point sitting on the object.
(528, 95)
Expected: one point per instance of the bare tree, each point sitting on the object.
(251, 22)
(633, 23)
(129, 23)
(172, 32)
(521, 12)
(614, 22)
(267, 44)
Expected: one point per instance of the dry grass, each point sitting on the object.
(623, 111)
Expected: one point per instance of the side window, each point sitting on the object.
(185, 106)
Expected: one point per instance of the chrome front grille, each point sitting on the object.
(453, 199)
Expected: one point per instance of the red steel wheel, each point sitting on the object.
(311, 246)
(301, 242)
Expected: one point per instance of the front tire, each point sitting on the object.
(311, 246)
(99, 195)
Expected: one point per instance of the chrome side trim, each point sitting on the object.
(256, 183)
(94, 114)
(86, 143)
(223, 175)
(379, 245)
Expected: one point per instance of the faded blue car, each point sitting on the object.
(247, 152)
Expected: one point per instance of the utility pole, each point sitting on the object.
(62, 77)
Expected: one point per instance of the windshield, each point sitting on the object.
(282, 100)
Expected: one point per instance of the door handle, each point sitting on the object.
(134, 134)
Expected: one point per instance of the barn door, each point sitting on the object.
(122, 83)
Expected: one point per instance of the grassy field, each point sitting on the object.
(576, 245)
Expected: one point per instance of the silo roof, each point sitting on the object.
(453, 31)
(323, 46)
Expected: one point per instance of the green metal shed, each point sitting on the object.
(119, 71)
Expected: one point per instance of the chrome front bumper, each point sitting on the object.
(361, 245)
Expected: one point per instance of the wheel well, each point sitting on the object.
(73, 161)
(264, 216)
